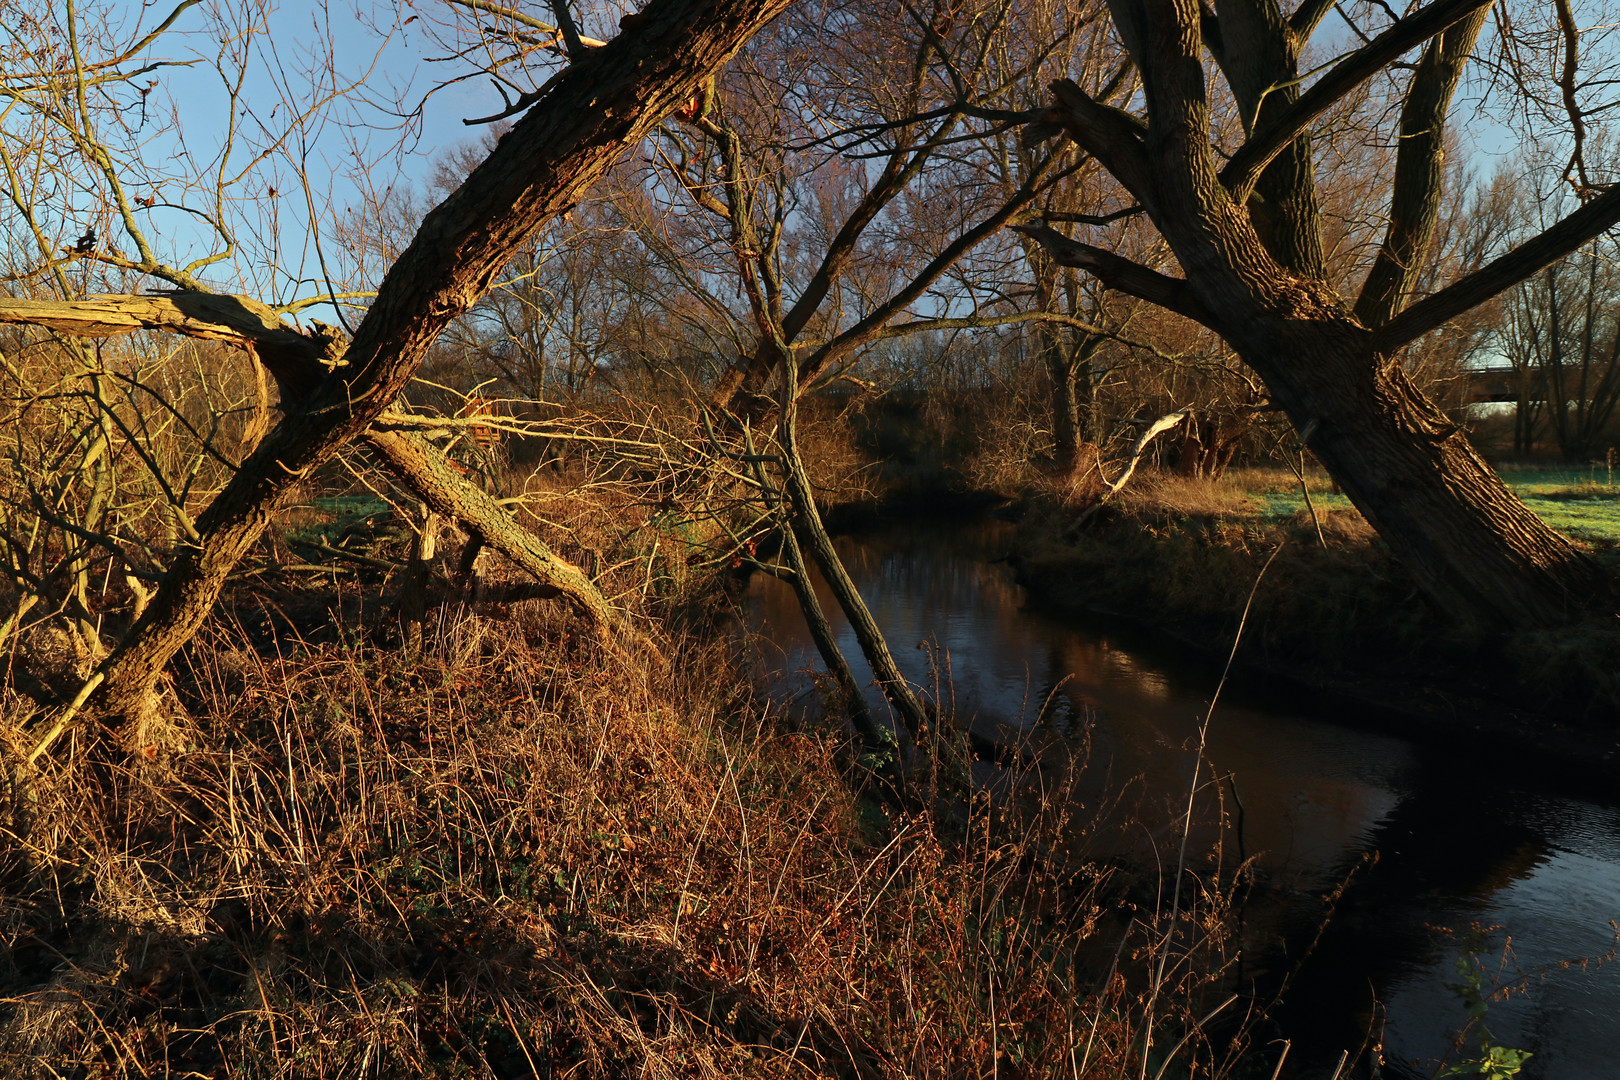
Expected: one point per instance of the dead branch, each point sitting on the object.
(1154, 430)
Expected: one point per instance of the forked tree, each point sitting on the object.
(1246, 229)
(573, 129)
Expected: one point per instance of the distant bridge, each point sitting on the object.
(1491, 384)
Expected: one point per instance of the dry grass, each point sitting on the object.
(512, 858)
(1185, 496)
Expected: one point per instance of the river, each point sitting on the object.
(1464, 838)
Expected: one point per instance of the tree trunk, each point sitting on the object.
(1471, 545)
(431, 475)
(875, 738)
(1068, 368)
(415, 582)
(802, 501)
(1478, 553)
(1074, 456)
(591, 114)
(1065, 407)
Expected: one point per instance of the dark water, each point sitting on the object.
(1465, 838)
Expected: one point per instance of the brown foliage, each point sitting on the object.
(518, 858)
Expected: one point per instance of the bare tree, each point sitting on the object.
(1561, 337)
(1247, 234)
(1565, 322)
(582, 122)
(841, 182)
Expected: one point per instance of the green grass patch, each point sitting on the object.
(1579, 502)
(327, 517)
(1281, 505)
(1588, 519)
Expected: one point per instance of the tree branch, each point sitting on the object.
(1154, 430)
(298, 361)
(1112, 136)
(432, 476)
(1503, 273)
(1414, 203)
(570, 32)
(1120, 273)
(1244, 169)
(1095, 220)
(1303, 22)
(602, 104)
(524, 20)
(864, 330)
(973, 322)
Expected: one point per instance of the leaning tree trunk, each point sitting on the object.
(432, 476)
(1468, 542)
(298, 362)
(1476, 551)
(802, 502)
(587, 119)
(875, 738)
(1471, 545)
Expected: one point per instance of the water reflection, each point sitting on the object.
(1462, 839)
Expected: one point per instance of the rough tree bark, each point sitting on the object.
(1247, 238)
(1068, 369)
(587, 118)
(876, 738)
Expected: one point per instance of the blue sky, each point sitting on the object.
(354, 143)
(359, 150)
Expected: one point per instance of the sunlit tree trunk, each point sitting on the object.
(1244, 235)
(588, 118)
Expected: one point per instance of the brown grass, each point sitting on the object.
(513, 858)
(1185, 496)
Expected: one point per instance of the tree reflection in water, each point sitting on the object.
(1461, 840)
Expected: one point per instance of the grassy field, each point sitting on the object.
(1584, 503)
(1579, 502)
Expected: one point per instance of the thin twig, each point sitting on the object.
(1186, 825)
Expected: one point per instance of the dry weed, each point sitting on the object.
(514, 858)
(1187, 496)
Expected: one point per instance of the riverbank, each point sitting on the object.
(514, 855)
(1313, 788)
(1334, 614)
